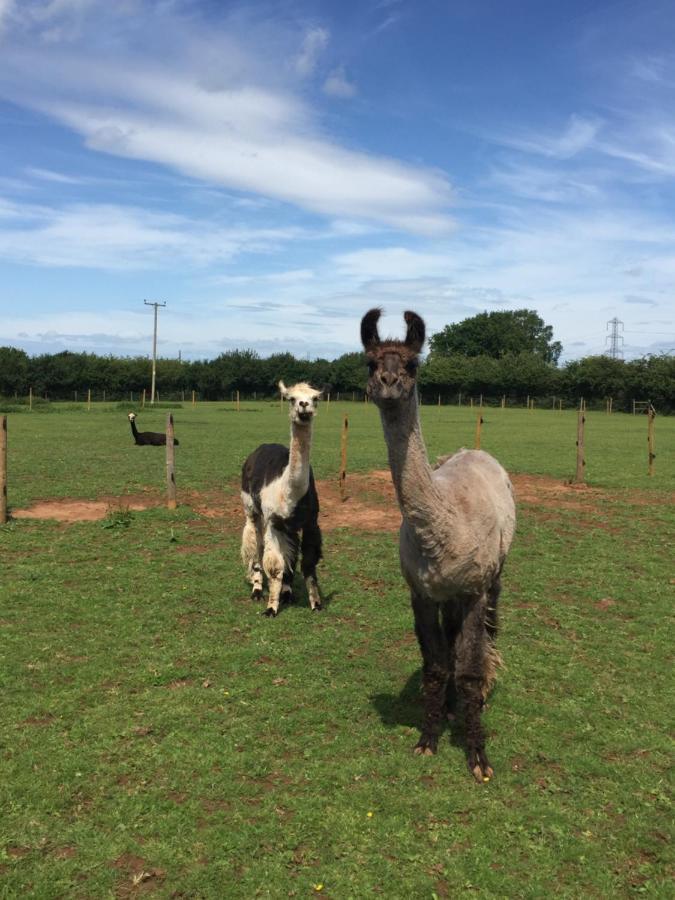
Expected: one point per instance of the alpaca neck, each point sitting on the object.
(298, 460)
(134, 430)
(418, 498)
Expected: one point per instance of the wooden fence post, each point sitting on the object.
(143, 400)
(170, 465)
(88, 398)
(343, 459)
(30, 398)
(503, 401)
(479, 425)
(193, 400)
(459, 399)
(651, 415)
(3, 470)
(581, 462)
(238, 407)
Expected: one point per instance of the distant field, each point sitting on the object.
(159, 736)
(86, 454)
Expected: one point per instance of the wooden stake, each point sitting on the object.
(459, 399)
(88, 398)
(471, 403)
(528, 401)
(343, 459)
(238, 401)
(651, 415)
(560, 405)
(479, 425)
(30, 398)
(581, 462)
(194, 402)
(143, 400)
(170, 465)
(480, 402)
(503, 401)
(3, 470)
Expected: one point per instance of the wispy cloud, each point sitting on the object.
(249, 137)
(103, 236)
(313, 45)
(579, 133)
(338, 85)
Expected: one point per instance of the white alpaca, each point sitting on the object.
(280, 502)
(458, 523)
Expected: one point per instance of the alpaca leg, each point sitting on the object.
(287, 595)
(311, 556)
(252, 556)
(434, 649)
(451, 614)
(274, 564)
(471, 659)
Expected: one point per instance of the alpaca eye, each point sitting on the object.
(411, 366)
(372, 367)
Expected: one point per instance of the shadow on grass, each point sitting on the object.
(406, 709)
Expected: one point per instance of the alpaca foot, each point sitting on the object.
(270, 612)
(317, 606)
(256, 594)
(427, 745)
(287, 598)
(479, 766)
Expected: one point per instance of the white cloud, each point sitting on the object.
(338, 85)
(111, 237)
(250, 138)
(314, 43)
(578, 135)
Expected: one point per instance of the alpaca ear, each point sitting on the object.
(284, 390)
(369, 336)
(416, 331)
(325, 390)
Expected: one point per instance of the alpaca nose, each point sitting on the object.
(303, 404)
(388, 378)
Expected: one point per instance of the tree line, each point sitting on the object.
(516, 375)
(508, 353)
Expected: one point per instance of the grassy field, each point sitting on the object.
(159, 736)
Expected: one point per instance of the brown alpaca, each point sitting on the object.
(458, 523)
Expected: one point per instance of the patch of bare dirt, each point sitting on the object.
(69, 511)
(370, 503)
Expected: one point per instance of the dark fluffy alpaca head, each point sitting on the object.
(392, 364)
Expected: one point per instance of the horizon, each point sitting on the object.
(271, 171)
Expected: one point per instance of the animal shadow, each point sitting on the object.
(405, 709)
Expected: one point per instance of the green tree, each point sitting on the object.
(13, 371)
(497, 333)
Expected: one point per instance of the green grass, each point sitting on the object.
(156, 728)
(84, 454)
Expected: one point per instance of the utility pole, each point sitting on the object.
(615, 351)
(154, 348)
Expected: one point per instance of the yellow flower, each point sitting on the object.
(369, 814)
(318, 887)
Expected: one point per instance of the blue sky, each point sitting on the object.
(272, 170)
